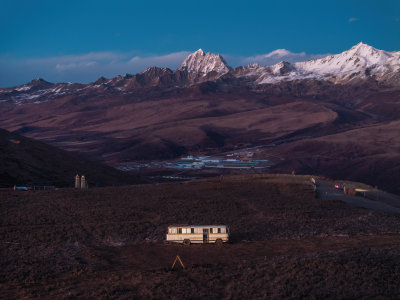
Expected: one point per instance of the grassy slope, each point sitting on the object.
(32, 161)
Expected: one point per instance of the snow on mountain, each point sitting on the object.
(204, 63)
(37, 91)
(22, 88)
(356, 60)
(360, 62)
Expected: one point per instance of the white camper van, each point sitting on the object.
(199, 234)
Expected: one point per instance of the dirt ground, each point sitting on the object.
(108, 243)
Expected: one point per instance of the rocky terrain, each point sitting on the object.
(108, 243)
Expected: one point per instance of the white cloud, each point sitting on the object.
(353, 19)
(88, 67)
(91, 56)
(63, 67)
(272, 58)
(172, 57)
(82, 68)
(172, 60)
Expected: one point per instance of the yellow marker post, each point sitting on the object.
(180, 261)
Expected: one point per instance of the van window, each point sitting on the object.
(219, 230)
(191, 230)
(180, 230)
(211, 230)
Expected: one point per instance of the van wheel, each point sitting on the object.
(218, 242)
(186, 241)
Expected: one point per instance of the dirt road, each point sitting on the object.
(379, 200)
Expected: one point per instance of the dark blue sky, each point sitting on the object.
(60, 33)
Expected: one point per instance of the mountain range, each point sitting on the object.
(361, 62)
(310, 113)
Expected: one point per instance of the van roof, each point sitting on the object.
(185, 225)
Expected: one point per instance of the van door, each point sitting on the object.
(205, 235)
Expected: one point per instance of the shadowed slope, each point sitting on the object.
(26, 161)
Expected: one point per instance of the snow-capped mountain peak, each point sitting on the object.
(343, 66)
(362, 47)
(281, 68)
(358, 63)
(200, 52)
(38, 81)
(204, 63)
(369, 54)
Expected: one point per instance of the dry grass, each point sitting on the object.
(107, 243)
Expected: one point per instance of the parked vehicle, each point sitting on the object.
(200, 234)
(339, 187)
(22, 188)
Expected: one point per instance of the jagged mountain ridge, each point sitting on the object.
(361, 62)
(203, 63)
(358, 63)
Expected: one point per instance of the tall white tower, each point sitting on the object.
(83, 182)
(77, 182)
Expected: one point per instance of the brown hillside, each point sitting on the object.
(370, 154)
(26, 161)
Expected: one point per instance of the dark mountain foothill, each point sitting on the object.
(28, 162)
